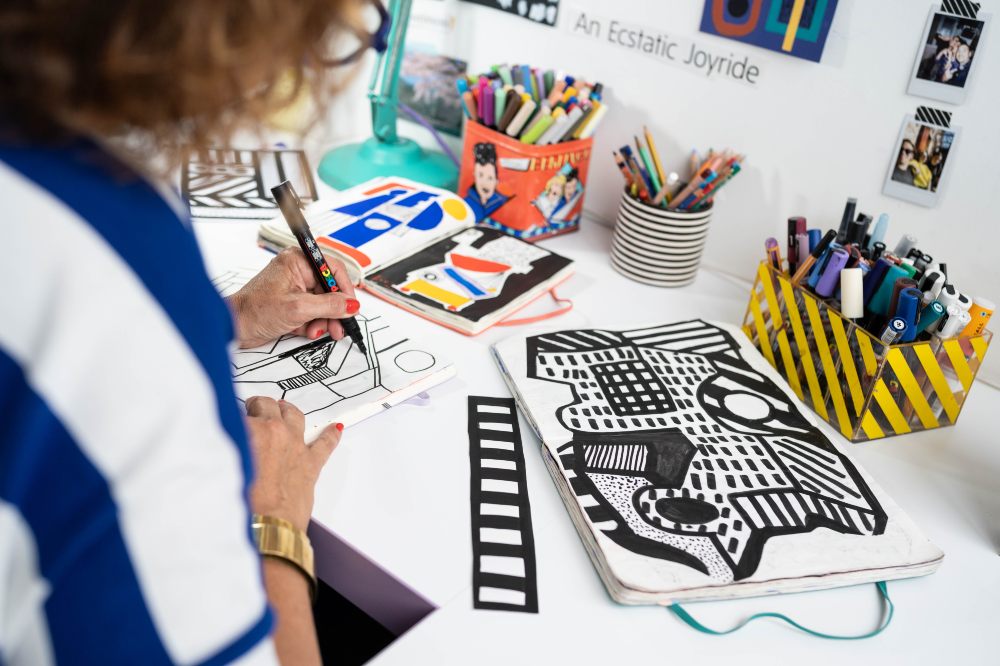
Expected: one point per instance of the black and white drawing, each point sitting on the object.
(539, 11)
(236, 184)
(331, 380)
(949, 54)
(503, 543)
(682, 451)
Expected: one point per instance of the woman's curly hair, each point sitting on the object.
(181, 71)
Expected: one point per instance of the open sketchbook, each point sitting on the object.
(332, 381)
(691, 471)
(415, 246)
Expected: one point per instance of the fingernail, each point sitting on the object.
(319, 334)
(339, 427)
(352, 306)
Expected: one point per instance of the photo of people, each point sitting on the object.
(482, 195)
(558, 201)
(921, 158)
(947, 56)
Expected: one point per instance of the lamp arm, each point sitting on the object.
(383, 89)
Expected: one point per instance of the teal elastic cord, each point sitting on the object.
(695, 624)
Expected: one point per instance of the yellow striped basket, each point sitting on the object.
(862, 387)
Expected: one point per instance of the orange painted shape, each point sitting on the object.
(388, 186)
(354, 253)
(728, 29)
(479, 265)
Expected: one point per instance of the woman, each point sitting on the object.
(125, 470)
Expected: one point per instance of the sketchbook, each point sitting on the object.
(691, 471)
(331, 380)
(416, 247)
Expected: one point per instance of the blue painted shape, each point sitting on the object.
(361, 207)
(415, 198)
(428, 218)
(459, 278)
(358, 233)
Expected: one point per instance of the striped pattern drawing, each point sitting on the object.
(865, 389)
(503, 543)
(960, 8)
(235, 183)
(656, 246)
(932, 116)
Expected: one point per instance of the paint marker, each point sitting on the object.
(877, 250)
(817, 272)
(878, 232)
(514, 102)
(851, 293)
(288, 202)
(909, 304)
(820, 248)
(929, 316)
(559, 120)
(541, 122)
(791, 249)
(856, 230)
(932, 283)
(952, 323)
(893, 331)
(814, 236)
(964, 302)
(979, 316)
(848, 215)
(897, 289)
(593, 120)
(802, 242)
(874, 279)
(522, 115)
(880, 301)
(905, 244)
(831, 274)
(773, 253)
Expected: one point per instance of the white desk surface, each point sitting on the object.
(397, 492)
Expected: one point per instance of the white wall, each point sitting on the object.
(814, 133)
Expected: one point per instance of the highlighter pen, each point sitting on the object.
(811, 259)
(288, 202)
(929, 315)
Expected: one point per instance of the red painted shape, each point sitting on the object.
(734, 29)
(479, 265)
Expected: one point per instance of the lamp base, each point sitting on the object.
(356, 163)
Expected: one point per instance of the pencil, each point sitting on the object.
(654, 155)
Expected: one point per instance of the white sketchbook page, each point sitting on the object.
(415, 217)
(803, 551)
(332, 381)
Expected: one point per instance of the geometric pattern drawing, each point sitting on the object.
(682, 451)
(503, 543)
(234, 183)
(544, 12)
(795, 27)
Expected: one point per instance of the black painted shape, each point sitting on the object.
(668, 459)
(686, 510)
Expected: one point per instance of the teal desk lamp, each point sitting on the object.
(386, 153)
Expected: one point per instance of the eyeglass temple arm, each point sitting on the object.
(383, 89)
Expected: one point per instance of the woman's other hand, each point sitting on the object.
(286, 298)
(286, 467)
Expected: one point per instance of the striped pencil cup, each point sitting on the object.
(862, 387)
(656, 246)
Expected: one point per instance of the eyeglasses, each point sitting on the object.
(375, 35)
(907, 151)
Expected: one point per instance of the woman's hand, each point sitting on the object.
(285, 298)
(286, 467)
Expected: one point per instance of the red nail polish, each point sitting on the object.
(352, 306)
(339, 427)
(319, 334)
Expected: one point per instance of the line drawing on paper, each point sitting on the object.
(682, 451)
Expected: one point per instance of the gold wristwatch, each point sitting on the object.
(280, 539)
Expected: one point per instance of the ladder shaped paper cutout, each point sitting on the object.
(932, 116)
(503, 543)
(960, 8)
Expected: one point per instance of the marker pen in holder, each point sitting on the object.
(949, 325)
(894, 331)
(851, 293)
(906, 309)
(878, 232)
(820, 266)
(874, 278)
(849, 209)
(929, 316)
(827, 282)
(979, 315)
(905, 244)
(814, 237)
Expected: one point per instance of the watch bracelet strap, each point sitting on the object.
(281, 540)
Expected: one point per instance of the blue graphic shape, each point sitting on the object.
(414, 199)
(361, 232)
(428, 218)
(469, 286)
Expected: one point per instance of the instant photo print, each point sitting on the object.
(919, 169)
(949, 53)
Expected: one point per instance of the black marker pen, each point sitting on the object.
(288, 202)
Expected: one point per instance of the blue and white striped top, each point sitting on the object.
(124, 467)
